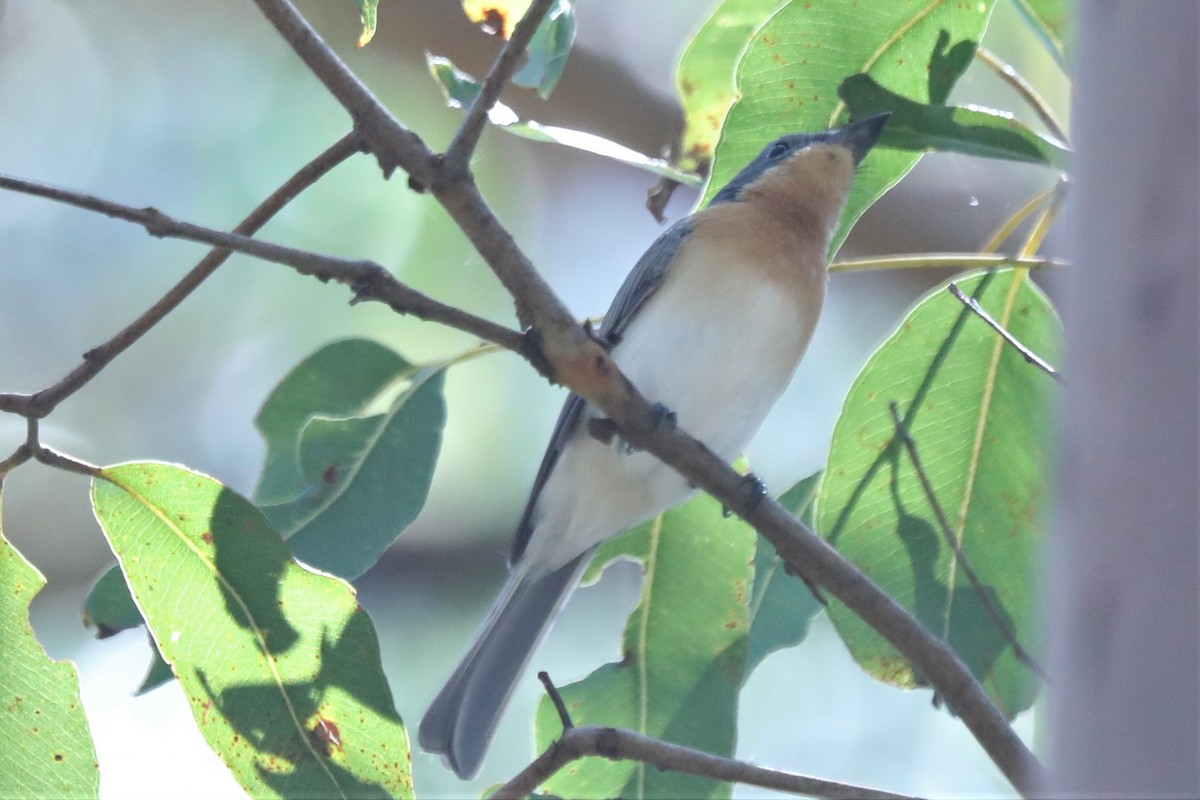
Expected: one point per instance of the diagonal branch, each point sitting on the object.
(1029, 356)
(369, 280)
(469, 130)
(42, 403)
(619, 744)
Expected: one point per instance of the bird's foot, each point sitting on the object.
(756, 491)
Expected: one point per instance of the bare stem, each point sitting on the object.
(369, 280)
(619, 744)
(471, 128)
(944, 261)
(1029, 356)
(1025, 89)
(42, 403)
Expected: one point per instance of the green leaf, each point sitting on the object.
(546, 56)
(279, 663)
(981, 418)
(158, 673)
(1051, 20)
(341, 379)
(367, 9)
(704, 78)
(47, 750)
(788, 78)
(460, 89)
(974, 131)
(108, 607)
(685, 648)
(367, 477)
(781, 606)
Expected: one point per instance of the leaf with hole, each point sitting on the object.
(47, 750)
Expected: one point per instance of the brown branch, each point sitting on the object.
(998, 619)
(458, 154)
(618, 744)
(1029, 356)
(369, 280)
(42, 403)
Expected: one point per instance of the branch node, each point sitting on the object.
(156, 223)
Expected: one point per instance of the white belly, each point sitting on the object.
(716, 347)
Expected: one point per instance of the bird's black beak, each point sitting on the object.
(861, 136)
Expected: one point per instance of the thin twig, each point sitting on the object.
(619, 744)
(458, 154)
(945, 260)
(369, 280)
(998, 619)
(564, 716)
(1025, 89)
(18, 457)
(42, 403)
(33, 448)
(393, 144)
(1030, 356)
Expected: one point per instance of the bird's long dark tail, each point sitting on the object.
(462, 718)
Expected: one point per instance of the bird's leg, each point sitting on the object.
(607, 341)
(604, 430)
(757, 490)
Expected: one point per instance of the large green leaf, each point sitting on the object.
(789, 75)
(47, 750)
(341, 379)
(685, 650)
(704, 78)
(279, 663)
(365, 476)
(546, 56)
(981, 418)
(781, 606)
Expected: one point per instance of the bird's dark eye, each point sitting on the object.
(777, 150)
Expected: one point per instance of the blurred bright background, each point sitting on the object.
(200, 110)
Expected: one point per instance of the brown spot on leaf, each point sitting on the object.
(330, 476)
(325, 736)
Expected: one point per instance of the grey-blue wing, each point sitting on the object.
(645, 278)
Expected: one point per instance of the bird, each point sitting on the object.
(710, 325)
